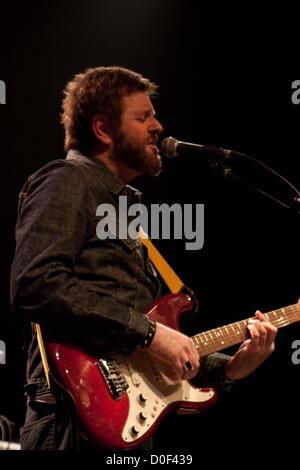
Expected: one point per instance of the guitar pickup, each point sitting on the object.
(135, 376)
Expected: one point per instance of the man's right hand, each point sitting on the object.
(175, 349)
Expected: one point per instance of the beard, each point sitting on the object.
(136, 156)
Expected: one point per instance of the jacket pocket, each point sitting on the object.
(51, 421)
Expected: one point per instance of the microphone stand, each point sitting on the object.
(221, 158)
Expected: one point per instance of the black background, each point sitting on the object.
(235, 93)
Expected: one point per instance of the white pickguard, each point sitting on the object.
(150, 391)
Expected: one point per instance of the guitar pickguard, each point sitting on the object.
(151, 391)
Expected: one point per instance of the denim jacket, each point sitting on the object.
(80, 288)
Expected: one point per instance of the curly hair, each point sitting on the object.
(97, 91)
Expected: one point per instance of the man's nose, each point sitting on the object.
(156, 126)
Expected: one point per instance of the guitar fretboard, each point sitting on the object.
(235, 333)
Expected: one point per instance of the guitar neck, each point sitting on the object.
(225, 336)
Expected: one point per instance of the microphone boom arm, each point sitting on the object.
(219, 157)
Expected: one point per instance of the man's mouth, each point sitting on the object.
(153, 147)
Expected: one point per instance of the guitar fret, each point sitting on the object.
(282, 316)
(271, 314)
(236, 332)
(222, 342)
(211, 337)
(201, 345)
(195, 342)
(206, 343)
(279, 319)
(239, 326)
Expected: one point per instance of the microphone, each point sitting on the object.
(171, 148)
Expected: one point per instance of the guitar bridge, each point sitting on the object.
(113, 377)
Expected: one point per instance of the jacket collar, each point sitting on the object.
(112, 182)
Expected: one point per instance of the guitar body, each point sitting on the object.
(121, 402)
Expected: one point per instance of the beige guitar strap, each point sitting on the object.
(167, 273)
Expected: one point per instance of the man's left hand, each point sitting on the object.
(253, 351)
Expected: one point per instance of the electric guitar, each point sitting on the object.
(120, 402)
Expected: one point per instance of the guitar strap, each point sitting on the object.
(43, 352)
(169, 276)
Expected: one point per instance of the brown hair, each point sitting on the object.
(97, 91)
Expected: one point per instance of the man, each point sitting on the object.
(93, 292)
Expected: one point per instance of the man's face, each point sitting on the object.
(135, 142)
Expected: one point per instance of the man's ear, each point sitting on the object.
(101, 129)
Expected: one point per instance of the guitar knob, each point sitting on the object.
(135, 429)
(143, 397)
(143, 415)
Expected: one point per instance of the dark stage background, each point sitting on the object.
(210, 92)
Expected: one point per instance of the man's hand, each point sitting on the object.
(175, 349)
(254, 350)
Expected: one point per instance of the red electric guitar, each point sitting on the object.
(120, 402)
